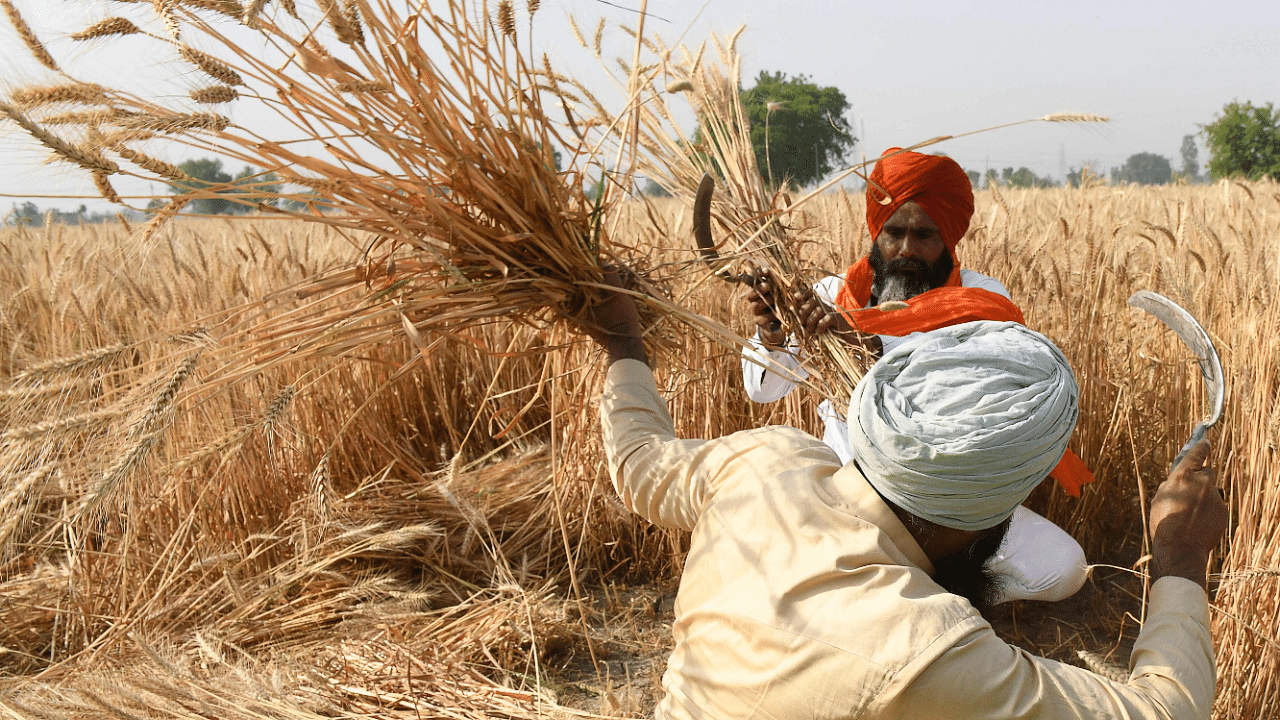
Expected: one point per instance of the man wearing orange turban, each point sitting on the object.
(918, 209)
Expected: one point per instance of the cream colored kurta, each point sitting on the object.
(803, 595)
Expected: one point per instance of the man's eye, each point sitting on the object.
(897, 233)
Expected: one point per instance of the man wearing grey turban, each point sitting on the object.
(956, 427)
(814, 589)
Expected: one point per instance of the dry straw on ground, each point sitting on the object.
(342, 464)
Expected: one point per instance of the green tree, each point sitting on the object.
(248, 187)
(27, 214)
(1023, 178)
(974, 178)
(798, 129)
(653, 189)
(1190, 158)
(1144, 169)
(1244, 141)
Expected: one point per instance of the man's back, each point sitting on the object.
(801, 589)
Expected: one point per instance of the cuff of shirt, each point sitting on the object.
(1178, 595)
(628, 370)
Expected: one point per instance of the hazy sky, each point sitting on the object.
(910, 71)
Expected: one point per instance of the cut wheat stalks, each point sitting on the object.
(467, 189)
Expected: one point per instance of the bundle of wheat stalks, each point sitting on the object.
(426, 132)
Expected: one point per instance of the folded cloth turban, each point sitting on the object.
(957, 426)
(938, 184)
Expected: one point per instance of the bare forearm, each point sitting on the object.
(1189, 563)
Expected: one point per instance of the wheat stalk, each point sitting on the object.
(14, 517)
(506, 18)
(77, 92)
(214, 94)
(339, 21)
(251, 11)
(103, 184)
(210, 65)
(151, 164)
(1075, 118)
(73, 363)
(230, 8)
(176, 123)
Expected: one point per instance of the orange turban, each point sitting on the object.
(938, 184)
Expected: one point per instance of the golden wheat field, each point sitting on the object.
(424, 528)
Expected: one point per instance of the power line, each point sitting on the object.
(623, 7)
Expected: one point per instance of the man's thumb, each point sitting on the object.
(1196, 456)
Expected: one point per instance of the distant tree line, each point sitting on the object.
(236, 194)
(28, 214)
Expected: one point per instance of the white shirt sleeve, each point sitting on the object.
(971, 279)
(769, 375)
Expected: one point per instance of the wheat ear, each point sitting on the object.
(106, 28)
(28, 37)
(88, 159)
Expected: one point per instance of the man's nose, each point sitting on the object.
(912, 247)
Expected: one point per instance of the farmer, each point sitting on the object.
(820, 590)
(913, 263)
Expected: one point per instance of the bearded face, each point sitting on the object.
(904, 278)
(965, 573)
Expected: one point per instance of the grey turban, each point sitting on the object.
(959, 425)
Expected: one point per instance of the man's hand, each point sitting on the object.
(1188, 518)
(760, 300)
(817, 317)
(615, 324)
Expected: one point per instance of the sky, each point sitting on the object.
(910, 71)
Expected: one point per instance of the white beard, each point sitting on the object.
(900, 289)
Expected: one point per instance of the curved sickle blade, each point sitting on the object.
(702, 228)
(1197, 340)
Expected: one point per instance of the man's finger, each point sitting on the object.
(1195, 457)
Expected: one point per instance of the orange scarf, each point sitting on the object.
(941, 307)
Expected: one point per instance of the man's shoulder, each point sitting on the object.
(787, 443)
(828, 288)
(974, 279)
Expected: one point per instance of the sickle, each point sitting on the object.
(707, 246)
(1197, 340)
(702, 233)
